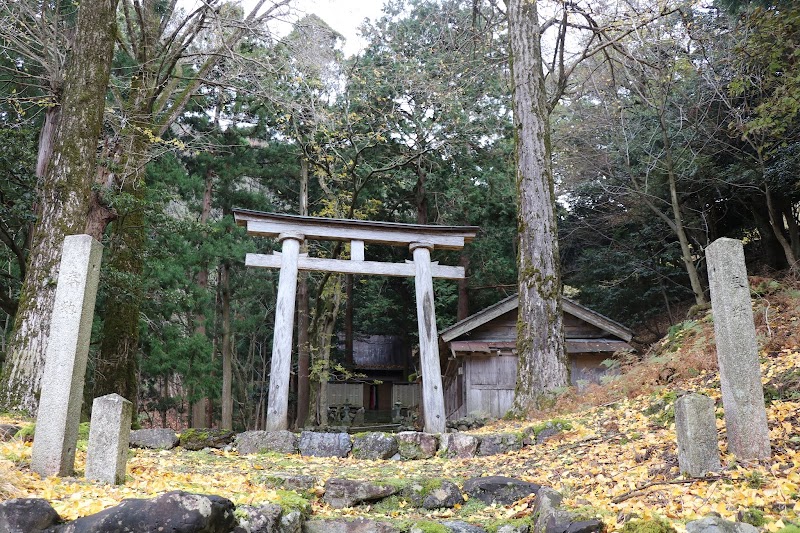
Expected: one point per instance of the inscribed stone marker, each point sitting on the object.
(696, 428)
(109, 432)
(65, 359)
(737, 351)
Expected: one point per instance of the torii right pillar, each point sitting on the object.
(432, 393)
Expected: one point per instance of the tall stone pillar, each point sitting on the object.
(737, 351)
(278, 408)
(432, 393)
(65, 360)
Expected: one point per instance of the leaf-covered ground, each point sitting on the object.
(617, 461)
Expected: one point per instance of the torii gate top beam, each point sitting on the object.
(336, 229)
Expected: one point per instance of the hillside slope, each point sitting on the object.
(617, 461)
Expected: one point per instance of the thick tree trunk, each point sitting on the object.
(64, 200)
(541, 349)
(329, 299)
(117, 364)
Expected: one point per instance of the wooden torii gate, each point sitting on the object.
(291, 230)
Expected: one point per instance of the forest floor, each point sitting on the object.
(617, 460)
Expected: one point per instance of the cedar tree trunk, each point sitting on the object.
(542, 354)
(64, 200)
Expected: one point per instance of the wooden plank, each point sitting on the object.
(326, 230)
(345, 266)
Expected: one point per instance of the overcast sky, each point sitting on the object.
(344, 16)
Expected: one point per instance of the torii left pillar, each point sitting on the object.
(432, 393)
(278, 408)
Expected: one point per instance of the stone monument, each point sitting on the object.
(109, 432)
(696, 428)
(737, 351)
(65, 359)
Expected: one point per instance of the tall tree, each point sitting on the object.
(541, 348)
(65, 197)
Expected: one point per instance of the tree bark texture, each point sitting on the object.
(542, 354)
(64, 199)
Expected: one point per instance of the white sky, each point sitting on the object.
(344, 16)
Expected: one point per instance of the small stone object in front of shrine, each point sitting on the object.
(109, 431)
(696, 428)
(737, 351)
(65, 358)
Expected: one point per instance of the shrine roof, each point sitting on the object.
(369, 231)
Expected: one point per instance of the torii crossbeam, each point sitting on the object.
(291, 230)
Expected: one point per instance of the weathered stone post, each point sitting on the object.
(696, 428)
(65, 360)
(109, 432)
(737, 351)
(278, 408)
(432, 393)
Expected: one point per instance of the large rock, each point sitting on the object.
(499, 443)
(341, 493)
(359, 525)
(174, 512)
(715, 524)
(155, 438)
(459, 445)
(281, 441)
(198, 439)
(374, 446)
(7, 431)
(547, 505)
(27, 515)
(416, 445)
(433, 494)
(263, 519)
(550, 518)
(324, 444)
(499, 489)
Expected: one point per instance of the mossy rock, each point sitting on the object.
(197, 439)
(648, 526)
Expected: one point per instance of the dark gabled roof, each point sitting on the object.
(512, 302)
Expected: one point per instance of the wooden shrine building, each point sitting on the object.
(480, 371)
(292, 230)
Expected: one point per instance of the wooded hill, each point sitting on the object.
(672, 124)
